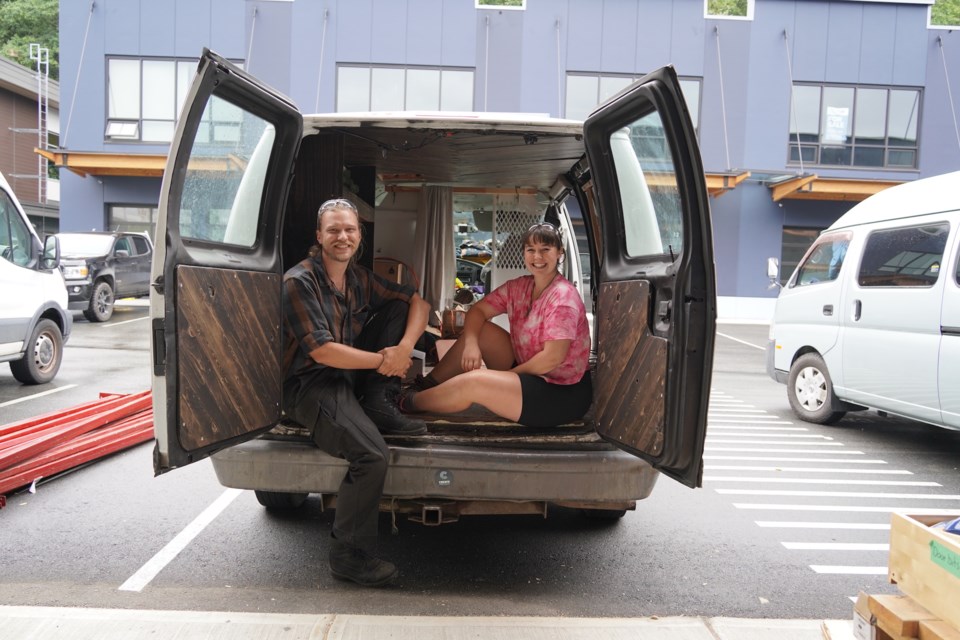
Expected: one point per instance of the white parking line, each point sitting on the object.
(749, 344)
(848, 570)
(783, 459)
(774, 524)
(845, 452)
(731, 427)
(842, 507)
(155, 565)
(837, 494)
(37, 395)
(720, 440)
(117, 324)
(836, 546)
(831, 481)
(738, 467)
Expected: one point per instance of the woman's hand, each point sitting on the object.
(471, 358)
(396, 361)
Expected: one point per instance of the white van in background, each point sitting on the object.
(34, 321)
(871, 316)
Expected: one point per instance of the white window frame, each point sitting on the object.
(480, 4)
(711, 16)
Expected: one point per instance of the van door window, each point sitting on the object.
(225, 177)
(652, 211)
(823, 260)
(14, 235)
(907, 257)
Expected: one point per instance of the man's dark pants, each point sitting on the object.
(342, 429)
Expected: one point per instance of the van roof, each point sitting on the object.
(464, 120)
(917, 198)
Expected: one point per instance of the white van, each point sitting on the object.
(34, 321)
(244, 179)
(871, 316)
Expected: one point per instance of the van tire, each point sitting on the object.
(101, 303)
(44, 353)
(810, 390)
(604, 515)
(280, 501)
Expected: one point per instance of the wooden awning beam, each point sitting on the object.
(720, 183)
(139, 165)
(836, 189)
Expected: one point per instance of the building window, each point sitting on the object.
(135, 218)
(854, 126)
(144, 98)
(501, 4)
(795, 243)
(586, 91)
(404, 89)
(729, 9)
(945, 14)
(909, 257)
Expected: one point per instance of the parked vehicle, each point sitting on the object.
(633, 168)
(101, 267)
(871, 316)
(34, 321)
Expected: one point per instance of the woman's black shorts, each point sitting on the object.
(547, 405)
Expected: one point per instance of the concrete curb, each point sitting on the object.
(55, 623)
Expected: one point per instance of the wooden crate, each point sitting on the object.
(925, 564)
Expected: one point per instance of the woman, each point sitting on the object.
(537, 374)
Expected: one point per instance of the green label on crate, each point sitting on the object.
(946, 558)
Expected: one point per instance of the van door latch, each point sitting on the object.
(158, 284)
(663, 310)
(828, 309)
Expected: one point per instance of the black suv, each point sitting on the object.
(100, 267)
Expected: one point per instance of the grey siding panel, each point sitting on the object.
(307, 38)
(541, 78)
(82, 122)
(877, 51)
(227, 28)
(910, 57)
(585, 31)
(132, 191)
(688, 37)
(727, 98)
(156, 28)
(808, 41)
(352, 20)
(388, 31)
(458, 35)
(268, 61)
(654, 29)
(83, 210)
(939, 146)
(424, 20)
(192, 31)
(505, 58)
(843, 42)
(618, 47)
(118, 18)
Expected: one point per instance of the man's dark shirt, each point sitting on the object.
(315, 313)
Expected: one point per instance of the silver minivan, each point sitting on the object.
(871, 316)
(244, 179)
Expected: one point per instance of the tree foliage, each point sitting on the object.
(23, 22)
(727, 7)
(946, 13)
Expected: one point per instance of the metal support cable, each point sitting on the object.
(560, 113)
(723, 103)
(253, 28)
(76, 85)
(946, 75)
(323, 43)
(486, 60)
(793, 104)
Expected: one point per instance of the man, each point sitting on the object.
(348, 337)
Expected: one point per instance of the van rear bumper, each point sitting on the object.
(772, 371)
(446, 471)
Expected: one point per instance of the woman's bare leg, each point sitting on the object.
(495, 349)
(498, 391)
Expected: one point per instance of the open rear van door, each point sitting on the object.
(656, 286)
(216, 274)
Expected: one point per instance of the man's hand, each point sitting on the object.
(471, 358)
(396, 361)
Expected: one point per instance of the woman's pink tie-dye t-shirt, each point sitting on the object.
(558, 314)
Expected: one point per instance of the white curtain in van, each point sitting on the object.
(435, 259)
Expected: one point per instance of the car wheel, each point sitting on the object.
(43, 357)
(281, 501)
(101, 303)
(810, 390)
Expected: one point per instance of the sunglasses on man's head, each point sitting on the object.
(338, 203)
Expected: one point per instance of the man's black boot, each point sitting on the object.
(381, 402)
(353, 563)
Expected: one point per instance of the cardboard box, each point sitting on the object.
(925, 564)
(390, 269)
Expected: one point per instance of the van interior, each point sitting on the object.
(439, 206)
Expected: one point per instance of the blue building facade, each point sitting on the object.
(803, 108)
